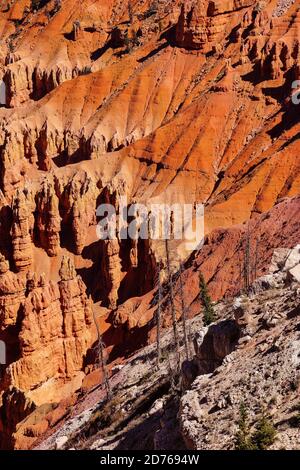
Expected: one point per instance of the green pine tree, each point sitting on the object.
(265, 433)
(208, 310)
(243, 440)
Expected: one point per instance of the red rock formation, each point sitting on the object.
(48, 219)
(161, 104)
(112, 270)
(78, 201)
(55, 332)
(20, 233)
(15, 407)
(77, 317)
(39, 421)
(203, 25)
(221, 260)
(12, 293)
(5, 224)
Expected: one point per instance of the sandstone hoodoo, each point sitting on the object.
(110, 342)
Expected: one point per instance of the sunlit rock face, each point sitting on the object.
(158, 102)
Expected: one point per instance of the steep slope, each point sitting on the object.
(159, 101)
(222, 261)
(250, 355)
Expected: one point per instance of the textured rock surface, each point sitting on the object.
(259, 366)
(205, 24)
(158, 102)
(222, 261)
(55, 334)
(48, 219)
(12, 293)
(20, 233)
(262, 372)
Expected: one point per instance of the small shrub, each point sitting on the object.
(263, 436)
(265, 433)
(243, 440)
(208, 310)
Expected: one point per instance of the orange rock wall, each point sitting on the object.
(157, 101)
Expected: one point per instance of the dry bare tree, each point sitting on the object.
(250, 260)
(172, 303)
(183, 314)
(255, 261)
(247, 269)
(101, 358)
(208, 309)
(158, 315)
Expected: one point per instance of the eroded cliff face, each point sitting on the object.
(55, 333)
(222, 262)
(149, 100)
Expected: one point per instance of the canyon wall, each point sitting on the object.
(160, 101)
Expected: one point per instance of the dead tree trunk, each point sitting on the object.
(254, 270)
(102, 361)
(247, 269)
(183, 314)
(172, 304)
(158, 318)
